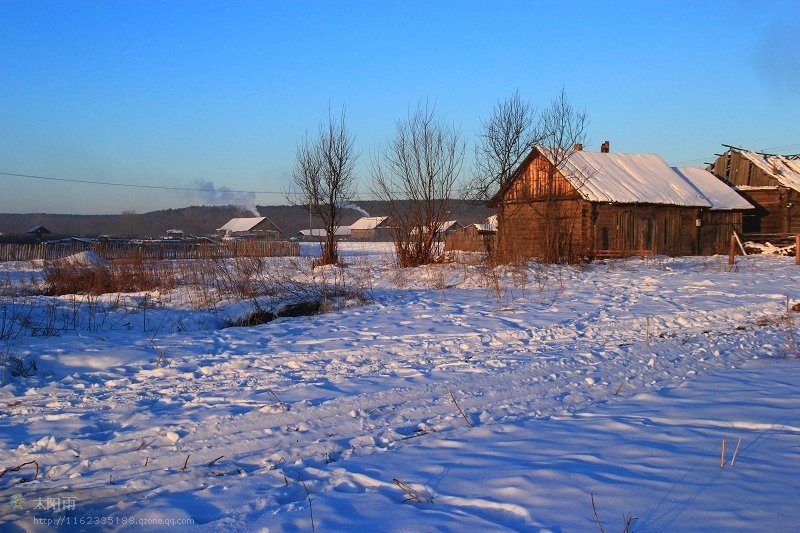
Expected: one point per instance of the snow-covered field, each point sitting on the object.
(543, 399)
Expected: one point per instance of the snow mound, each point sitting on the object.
(83, 259)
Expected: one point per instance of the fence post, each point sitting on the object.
(732, 253)
(797, 249)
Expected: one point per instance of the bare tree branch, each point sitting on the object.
(324, 178)
(506, 137)
(416, 176)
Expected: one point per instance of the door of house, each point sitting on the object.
(644, 233)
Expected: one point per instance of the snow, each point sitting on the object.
(617, 381)
(629, 179)
(645, 179)
(719, 195)
(786, 171)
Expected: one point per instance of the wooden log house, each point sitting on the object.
(770, 182)
(250, 228)
(572, 205)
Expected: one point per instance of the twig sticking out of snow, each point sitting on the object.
(186, 463)
(627, 519)
(596, 517)
(722, 456)
(280, 402)
(735, 451)
(308, 497)
(18, 467)
(412, 494)
(453, 397)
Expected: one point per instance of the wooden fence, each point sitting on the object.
(156, 250)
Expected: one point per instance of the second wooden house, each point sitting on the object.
(571, 205)
(770, 182)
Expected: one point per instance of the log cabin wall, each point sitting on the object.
(533, 229)
(539, 180)
(716, 230)
(630, 229)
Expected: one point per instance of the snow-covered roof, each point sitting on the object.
(786, 171)
(443, 227)
(488, 228)
(490, 223)
(367, 223)
(448, 225)
(313, 232)
(340, 231)
(242, 224)
(629, 179)
(720, 195)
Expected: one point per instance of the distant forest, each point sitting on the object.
(199, 220)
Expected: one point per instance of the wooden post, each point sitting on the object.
(732, 253)
(797, 249)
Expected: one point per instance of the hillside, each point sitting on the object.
(199, 220)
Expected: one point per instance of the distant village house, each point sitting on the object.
(371, 229)
(477, 237)
(250, 227)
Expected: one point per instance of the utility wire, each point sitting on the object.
(137, 185)
(359, 196)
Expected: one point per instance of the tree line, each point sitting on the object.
(418, 171)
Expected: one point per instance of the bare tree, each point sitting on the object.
(544, 195)
(505, 139)
(416, 176)
(561, 128)
(324, 179)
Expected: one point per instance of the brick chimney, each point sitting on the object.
(578, 147)
(605, 147)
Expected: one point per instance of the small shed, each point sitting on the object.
(371, 229)
(39, 231)
(564, 205)
(770, 182)
(251, 227)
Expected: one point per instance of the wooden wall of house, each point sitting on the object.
(667, 230)
(540, 180)
(777, 210)
(716, 230)
(380, 233)
(528, 229)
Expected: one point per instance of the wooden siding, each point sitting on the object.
(739, 171)
(375, 234)
(539, 180)
(667, 230)
(777, 211)
(537, 229)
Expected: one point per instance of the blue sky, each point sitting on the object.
(180, 94)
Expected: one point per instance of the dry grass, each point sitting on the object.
(124, 275)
